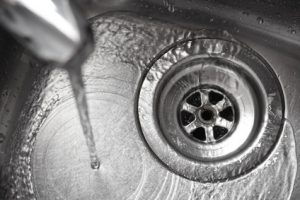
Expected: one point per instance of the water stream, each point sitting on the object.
(81, 102)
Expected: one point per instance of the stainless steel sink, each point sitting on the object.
(42, 150)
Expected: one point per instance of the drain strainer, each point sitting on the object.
(211, 109)
(207, 115)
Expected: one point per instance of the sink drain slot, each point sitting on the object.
(206, 115)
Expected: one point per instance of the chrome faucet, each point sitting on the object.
(53, 30)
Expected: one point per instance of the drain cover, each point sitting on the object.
(211, 109)
(207, 115)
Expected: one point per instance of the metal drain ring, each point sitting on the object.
(249, 144)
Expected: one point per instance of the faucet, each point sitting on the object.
(55, 31)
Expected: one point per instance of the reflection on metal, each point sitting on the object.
(49, 159)
(207, 115)
(54, 30)
(240, 73)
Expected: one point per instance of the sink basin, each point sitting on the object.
(141, 49)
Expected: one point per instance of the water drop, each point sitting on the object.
(237, 30)
(170, 4)
(95, 164)
(260, 20)
(245, 13)
(150, 77)
(291, 30)
(98, 24)
(278, 15)
(2, 137)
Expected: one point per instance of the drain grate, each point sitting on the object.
(206, 115)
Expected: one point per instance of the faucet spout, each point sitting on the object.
(54, 30)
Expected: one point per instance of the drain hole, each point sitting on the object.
(219, 132)
(206, 112)
(186, 117)
(214, 97)
(207, 115)
(194, 99)
(227, 113)
(199, 133)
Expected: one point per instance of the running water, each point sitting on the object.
(82, 107)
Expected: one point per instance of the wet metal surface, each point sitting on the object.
(210, 62)
(205, 113)
(58, 168)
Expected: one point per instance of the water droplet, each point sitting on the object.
(260, 20)
(278, 76)
(278, 15)
(2, 137)
(95, 164)
(98, 24)
(150, 77)
(236, 29)
(170, 4)
(291, 30)
(245, 13)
